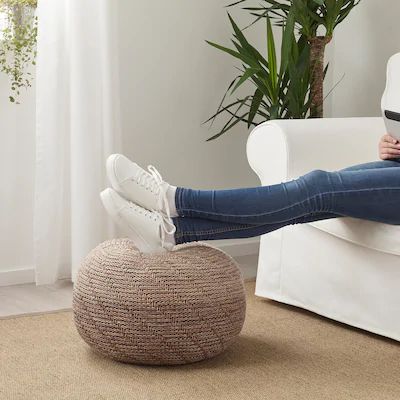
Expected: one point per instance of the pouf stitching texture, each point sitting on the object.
(171, 308)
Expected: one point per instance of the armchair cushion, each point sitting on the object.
(373, 235)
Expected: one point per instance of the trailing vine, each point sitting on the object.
(18, 43)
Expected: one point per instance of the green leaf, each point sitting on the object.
(234, 118)
(248, 49)
(287, 40)
(227, 128)
(273, 70)
(221, 110)
(255, 105)
(236, 3)
(212, 118)
(248, 74)
(234, 53)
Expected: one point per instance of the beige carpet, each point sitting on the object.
(283, 353)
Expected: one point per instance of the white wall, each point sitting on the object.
(171, 82)
(363, 44)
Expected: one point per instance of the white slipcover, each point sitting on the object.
(345, 269)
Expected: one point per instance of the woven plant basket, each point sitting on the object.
(177, 307)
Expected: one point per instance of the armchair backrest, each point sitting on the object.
(391, 97)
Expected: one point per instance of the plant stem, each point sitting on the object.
(317, 53)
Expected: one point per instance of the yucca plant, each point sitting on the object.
(309, 16)
(281, 91)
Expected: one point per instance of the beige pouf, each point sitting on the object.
(178, 307)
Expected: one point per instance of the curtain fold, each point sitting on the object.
(77, 127)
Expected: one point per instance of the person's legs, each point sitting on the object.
(140, 202)
(368, 191)
(195, 229)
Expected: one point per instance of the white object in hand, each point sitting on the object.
(391, 98)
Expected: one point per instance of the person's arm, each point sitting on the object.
(389, 148)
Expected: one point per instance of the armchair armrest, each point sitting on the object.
(281, 150)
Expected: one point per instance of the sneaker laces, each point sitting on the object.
(167, 227)
(149, 180)
(152, 180)
(166, 223)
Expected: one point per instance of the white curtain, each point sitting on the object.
(77, 128)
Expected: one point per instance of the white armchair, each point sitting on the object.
(345, 269)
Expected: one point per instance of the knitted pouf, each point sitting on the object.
(176, 307)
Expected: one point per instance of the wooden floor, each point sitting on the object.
(29, 298)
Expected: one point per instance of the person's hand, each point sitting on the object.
(389, 148)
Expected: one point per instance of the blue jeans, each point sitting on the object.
(368, 191)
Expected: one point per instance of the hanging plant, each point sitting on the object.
(18, 35)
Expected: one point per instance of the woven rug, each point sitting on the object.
(282, 353)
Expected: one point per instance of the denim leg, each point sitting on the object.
(369, 191)
(374, 165)
(195, 229)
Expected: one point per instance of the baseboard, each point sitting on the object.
(17, 276)
(235, 248)
(238, 247)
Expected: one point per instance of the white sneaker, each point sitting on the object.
(148, 229)
(146, 189)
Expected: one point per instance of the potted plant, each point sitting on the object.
(310, 16)
(295, 88)
(18, 35)
(281, 91)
